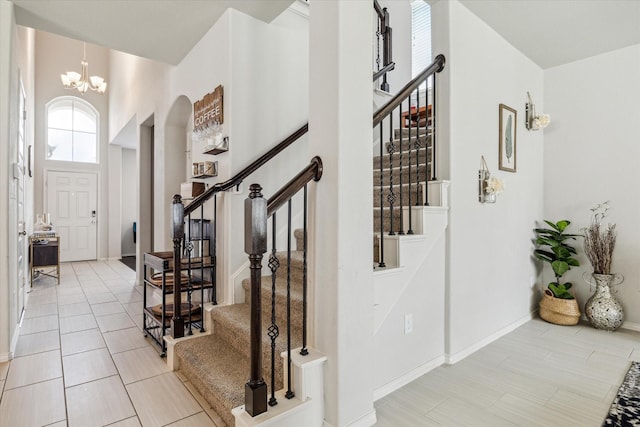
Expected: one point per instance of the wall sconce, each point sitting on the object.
(488, 186)
(533, 121)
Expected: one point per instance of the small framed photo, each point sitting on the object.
(507, 138)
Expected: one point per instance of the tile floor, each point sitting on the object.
(539, 375)
(82, 360)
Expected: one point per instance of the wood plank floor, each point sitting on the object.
(538, 375)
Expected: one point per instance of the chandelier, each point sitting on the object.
(82, 82)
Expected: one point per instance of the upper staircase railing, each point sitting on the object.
(385, 33)
(411, 153)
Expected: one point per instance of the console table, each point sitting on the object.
(44, 255)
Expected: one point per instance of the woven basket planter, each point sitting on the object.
(559, 311)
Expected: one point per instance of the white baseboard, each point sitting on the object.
(631, 326)
(451, 359)
(113, 259)
(394, 385)
(366, 420)
(5, 357)
(124, 255)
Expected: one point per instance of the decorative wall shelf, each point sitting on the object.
(216, 151)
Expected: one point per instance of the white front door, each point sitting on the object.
(72, 203)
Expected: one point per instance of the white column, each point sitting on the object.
(340, 131)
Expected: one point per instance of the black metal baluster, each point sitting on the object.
(418, 144)
(410, 230)
(304, 350)
(188, 246)
(289, 394)
(214, 259)
(433, 132)
(401, 230)
(202, 267)
(273, 331)
(381, 247)
(391, 148)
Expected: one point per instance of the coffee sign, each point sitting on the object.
(208, 110)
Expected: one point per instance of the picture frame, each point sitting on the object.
(507, 158)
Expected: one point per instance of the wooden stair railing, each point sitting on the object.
(182, 244)
(257, 212)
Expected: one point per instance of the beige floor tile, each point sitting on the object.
(71, 299)
(98, 403)
(198, 420)
(77, 323)
(41, 310)
(129, 422)
(75, 309)
(34, 368)
(39, 324)
(36, 299)
(133, 308)
(114, 322)
(87, 366)
(201, 400)
(78, 342)
(75, 290)
(37, 343)
(93, 290)
(106, 308)
(139, 364)
(162, 400)
(125, 339)
(4, 368)
(101, 298)
(34, 405)
(131, 296)
(59, 424)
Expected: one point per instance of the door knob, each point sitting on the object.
(23, 233)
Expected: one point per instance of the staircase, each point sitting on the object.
(404, 174)
(218, 364)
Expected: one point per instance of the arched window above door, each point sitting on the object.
(72, 130)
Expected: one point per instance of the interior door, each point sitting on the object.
(22, 229)
(72, 203)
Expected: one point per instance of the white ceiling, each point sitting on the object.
(555, 32)
(549, 32)
(161, 30)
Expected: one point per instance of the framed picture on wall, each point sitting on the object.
(507, 138)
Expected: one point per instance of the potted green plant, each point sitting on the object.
(558, 304)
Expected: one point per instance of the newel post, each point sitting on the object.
(177, 234)
(255, 245)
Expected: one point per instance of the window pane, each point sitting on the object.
(420, 37)
(60, 115)
(84, 119)
(84, 147)
(59, 145)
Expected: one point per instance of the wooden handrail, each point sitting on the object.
(244, 173)
(312, 172)
(386, 109)
(389, 67)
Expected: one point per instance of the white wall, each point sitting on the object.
(591, 155)
(129, 196)
(340, 132)
(490, 268)
(56, 55)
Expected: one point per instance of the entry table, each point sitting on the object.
(44, 255)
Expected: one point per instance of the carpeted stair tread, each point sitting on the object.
(281, 299)
(217, 371)
(409, 131)
(406, 177)
(406, 157)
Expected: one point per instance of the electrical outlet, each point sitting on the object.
(408, 323)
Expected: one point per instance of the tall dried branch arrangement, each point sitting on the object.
(599, 241)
